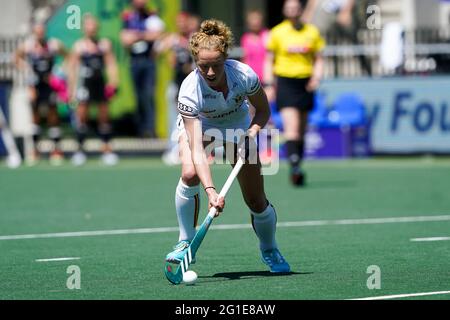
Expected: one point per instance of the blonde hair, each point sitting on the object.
(213, 35)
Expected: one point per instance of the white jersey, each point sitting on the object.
(197, 100)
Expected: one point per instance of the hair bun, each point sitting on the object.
(210, 28)
(213, 34)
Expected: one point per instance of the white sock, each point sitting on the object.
(264, 224)
(187, 203)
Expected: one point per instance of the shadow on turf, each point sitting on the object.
(225, 276)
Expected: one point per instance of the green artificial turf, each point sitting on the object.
(328, 261)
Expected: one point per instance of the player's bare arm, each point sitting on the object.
(150, 35)
(112, 69)
(19, 57)
(314, 81)
(262, 112)
(128, 37)
(193, 128)
(58, 47)
(74, 65)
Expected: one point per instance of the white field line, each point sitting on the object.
(430, 239)
(57, 259)
(398, 296)
(89, 233)
(310, 223)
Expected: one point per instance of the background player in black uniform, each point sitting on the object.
(38, 54)
(90, 59)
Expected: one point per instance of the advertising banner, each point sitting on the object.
(406, 115)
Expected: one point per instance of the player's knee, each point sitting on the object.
(189, 177)
(292, 135)
(257, 204)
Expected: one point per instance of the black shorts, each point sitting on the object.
(91, 91)
(44, 95)
(291, 92)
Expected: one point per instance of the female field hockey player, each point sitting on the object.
(295, 49)
(92, 57)
(214, 97)
(39, 54)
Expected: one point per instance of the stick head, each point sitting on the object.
(173, 273)
(174, 270)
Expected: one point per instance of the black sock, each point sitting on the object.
(81, 137)
(82, 131)
(36, 138)
(36, 134)
(301, 150)
(105, 133)
(292, 148)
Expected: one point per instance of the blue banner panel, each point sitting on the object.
(406, 115)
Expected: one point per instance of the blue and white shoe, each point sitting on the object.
(275, 261)
(179, 250)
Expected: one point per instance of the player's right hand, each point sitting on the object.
(215, 201)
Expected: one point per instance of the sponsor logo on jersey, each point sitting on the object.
(239, 99)
(299, 49)
(223, 115)
(186, 110)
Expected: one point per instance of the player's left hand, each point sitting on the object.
(312, 84)
(247, 147)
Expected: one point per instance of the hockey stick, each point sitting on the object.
(176, 276)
